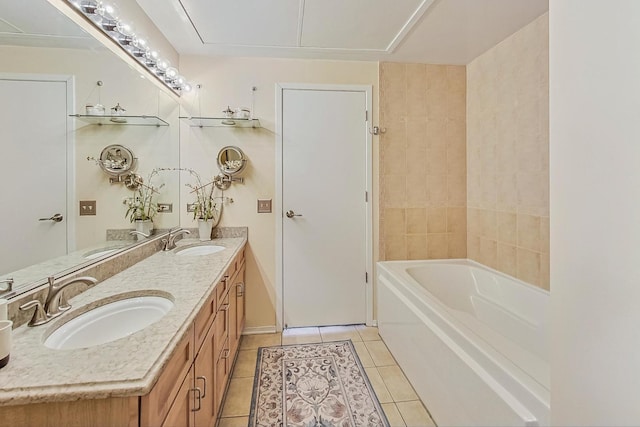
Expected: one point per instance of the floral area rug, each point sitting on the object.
(313, 385)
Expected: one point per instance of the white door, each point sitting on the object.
(33, 171)
(324, 221)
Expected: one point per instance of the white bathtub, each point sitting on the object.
(473, 342)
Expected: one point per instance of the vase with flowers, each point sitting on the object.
(141, 208)
(205, 209)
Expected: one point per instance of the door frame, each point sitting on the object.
(69, 81)
(278, 208)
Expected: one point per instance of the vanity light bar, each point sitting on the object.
(105, 17)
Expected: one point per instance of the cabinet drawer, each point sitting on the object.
(155, 405)
(204, 319)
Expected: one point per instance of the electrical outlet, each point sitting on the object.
(264, 205)
(191, 207)
(87, 207)
(165, 207)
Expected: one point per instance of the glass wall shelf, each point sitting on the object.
(121, 120)
(221, 122)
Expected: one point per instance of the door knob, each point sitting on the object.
(291, 214)
(56, 218)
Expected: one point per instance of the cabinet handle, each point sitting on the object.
(225, 278)
(204, 385)
(240, 291)
(225, 307)
(225, 353)
(199, 393)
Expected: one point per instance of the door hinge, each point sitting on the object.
(366, 277)
(366, 115)
(366, 196)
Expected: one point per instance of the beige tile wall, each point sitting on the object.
(422, 161)
(508, 155)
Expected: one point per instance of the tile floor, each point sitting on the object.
(399, 401)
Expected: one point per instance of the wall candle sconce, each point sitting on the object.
(106, 19)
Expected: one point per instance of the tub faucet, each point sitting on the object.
(56, 302)
(170, 241)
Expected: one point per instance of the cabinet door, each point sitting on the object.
(205, 366)
(222, 373)
(181, 412)
(155, 405)
(233, 309)
(240, 296)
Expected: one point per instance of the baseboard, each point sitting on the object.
(259, 330)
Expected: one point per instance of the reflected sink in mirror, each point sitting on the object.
(100, 252)
(109, 322)
(199, 250)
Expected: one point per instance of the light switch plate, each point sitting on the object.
(87, 207)
(264, 205)
(165, 207)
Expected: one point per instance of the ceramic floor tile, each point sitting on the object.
(368, 333)
(378, 385)
(380, 353)
(259, 340)
(393, 415)
(245, 364)
(234, 422)
(238, 400)
(363, 355)
(337, 333)
(414, 414)
(397, 383)
(301, 336)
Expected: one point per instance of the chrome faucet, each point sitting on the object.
(56, 303)
(9, 287)
(139, 233)
(170, 241)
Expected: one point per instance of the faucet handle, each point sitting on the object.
(39, 316)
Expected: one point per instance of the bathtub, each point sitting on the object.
(473, 342)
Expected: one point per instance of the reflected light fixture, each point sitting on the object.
(106, 18)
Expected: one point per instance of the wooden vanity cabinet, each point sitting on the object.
(191, 387)
(215, 338)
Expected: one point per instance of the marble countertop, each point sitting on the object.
(126, 367)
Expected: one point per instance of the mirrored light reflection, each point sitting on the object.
(107, 19)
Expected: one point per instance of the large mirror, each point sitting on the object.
(59, 207)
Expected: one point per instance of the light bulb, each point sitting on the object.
(171, 73)
(163, 64)
(125, 29)
(107, 11)
(187, 87)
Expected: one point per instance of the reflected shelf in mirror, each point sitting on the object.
(221, 122)
(121, 120)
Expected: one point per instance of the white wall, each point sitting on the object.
(595, 211)
(228, 81)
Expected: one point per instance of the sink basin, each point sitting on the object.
(199, 250)
(109, 322)
(99, 253)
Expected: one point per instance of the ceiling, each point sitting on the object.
(429, 31)
(42, 25)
